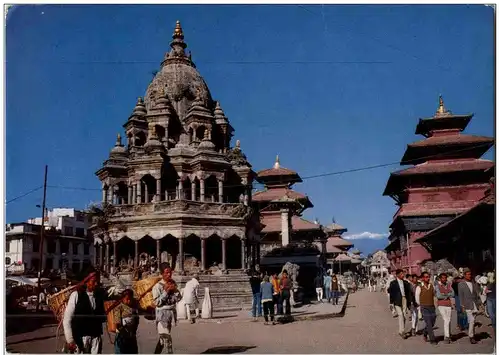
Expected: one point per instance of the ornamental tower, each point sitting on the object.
(177, 191)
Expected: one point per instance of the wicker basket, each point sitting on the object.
(110, 316)
(143, 291)
(57, 302)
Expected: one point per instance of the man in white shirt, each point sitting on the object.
(401, 296)
(84, 316)
(190, 297)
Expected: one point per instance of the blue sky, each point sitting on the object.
(328, 88)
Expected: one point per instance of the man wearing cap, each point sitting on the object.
(84, 316)
(165, 295)
(468, 293)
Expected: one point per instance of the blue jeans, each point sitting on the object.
(328, 294)
(257, 305)
(491, 305)
(462, 321)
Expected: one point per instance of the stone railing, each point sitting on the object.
(235, 210)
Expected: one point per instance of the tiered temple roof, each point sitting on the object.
(445, 151)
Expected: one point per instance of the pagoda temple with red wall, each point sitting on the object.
(447, 179)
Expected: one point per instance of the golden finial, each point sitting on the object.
(238, 144)
(277, 162)
(118, 140)
(178, 29)
(441, 109)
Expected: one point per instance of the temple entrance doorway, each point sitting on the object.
(169, 249)
(233, 253)
(213, 251)
(192, 253)
(125, 250)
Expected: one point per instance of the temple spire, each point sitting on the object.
(441, 109)
(178, 31)
(238, 144)
(277, 162)
(178, 45)
(118, 140)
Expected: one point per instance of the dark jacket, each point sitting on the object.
(469, 299)
(395, 296)
(255, 281)
(87, 321)
(318, 282)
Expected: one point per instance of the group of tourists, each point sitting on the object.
(422, 297)
(269, 295)
(330, 285)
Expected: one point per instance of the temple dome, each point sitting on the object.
(179, 79)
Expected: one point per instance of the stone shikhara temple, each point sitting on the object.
(177, 190)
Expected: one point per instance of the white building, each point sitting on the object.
(67, 242)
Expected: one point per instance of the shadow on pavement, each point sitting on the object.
(228, 349)
(27, 322)
(30, 340)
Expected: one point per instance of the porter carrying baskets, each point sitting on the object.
(144, 289)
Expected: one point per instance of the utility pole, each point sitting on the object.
(42, 234)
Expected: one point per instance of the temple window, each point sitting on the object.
(169, 182)
(121, 193)
(148, 188)
(140, 139)
(160, 132)
(211, 189)
(186, 189)
(200, 133)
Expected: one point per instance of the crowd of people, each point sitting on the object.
(270, 293)
(422, 298)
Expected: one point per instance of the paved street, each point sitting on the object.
(367, 327)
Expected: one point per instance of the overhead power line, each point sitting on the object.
(340, 172)
(25, 194)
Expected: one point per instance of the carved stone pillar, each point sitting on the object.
(193, 191)
(158, 253)
(136, 258)
(285, 227)
(106, 267)
(138, 192)
(202, 190)
(94, 255)
(243, 254)
(146, 193)
(101, 261)
(130, 194)
(221, 191)
(158, 190)
(203, 253)
(115, 256)
(104, 194)
(181, 255)
(134, 194)
(223, 254)
(111, 194)
(181, 190)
